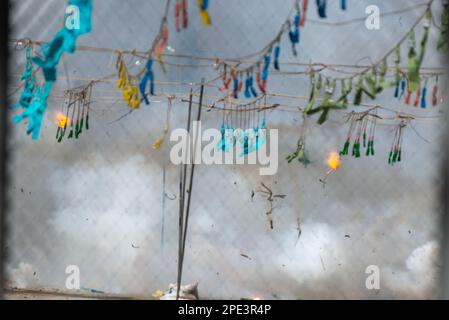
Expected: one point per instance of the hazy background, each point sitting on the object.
(97, 202)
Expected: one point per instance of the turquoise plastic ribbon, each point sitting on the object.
(64, 41)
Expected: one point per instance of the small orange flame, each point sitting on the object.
(62, 120)
(334, 160)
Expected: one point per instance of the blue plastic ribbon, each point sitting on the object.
(277, 51)
(321, 4)
(294, 33)
(344, 4)
(403, 85)
(266, 66)
(423, 97)
(149, 76)
(396, 90)
(236, 87)
(29, 83)
(205, 4)
(248, 83)
(64, 41)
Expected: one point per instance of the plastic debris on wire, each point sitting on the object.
(75, 113)
(36, 96)
(395, 154)
(362, 127)
(241, 126)
(148, 77)
(203, 6)
(181, 15)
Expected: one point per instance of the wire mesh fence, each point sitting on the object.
(108, 203)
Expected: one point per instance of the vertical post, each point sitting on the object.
(4, 25)
(182, 192)
(184, 221)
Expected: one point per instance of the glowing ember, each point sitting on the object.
(333, 160)
(62, 120)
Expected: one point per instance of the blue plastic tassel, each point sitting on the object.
(266, 66)
(29, 83)
(223, 138)
(245, 143)
(236, 87)
(149, 76)
(294, 32)
(277, 51)
(321, 4)
(227, 139)
(261, 135)
(343, 4)
(248, 84)
(423, 96)
(403, 85)
(64, 41)
(35, 111)
(256, 143)
(396, 90)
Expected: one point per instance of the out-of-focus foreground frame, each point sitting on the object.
(445, 202)
(4, 25)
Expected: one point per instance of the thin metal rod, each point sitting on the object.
(182, 191)
(197, 136)
(187, 214)
(4, 11)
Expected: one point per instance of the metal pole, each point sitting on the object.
(4, 24)
(182, 192)
(184, 224)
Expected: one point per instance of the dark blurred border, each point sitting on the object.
(445, 194)
(4, 10)
(445, 198)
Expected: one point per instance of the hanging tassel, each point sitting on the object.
(423, 96)
(240, 84)
(248, 83)
(149, 76)
(277, 50)
(435, 93)
(417, 98)
(225, 79)
(396, 91)
(63, 41)
(177, 14)
(444, 29)
(260, 82)
(29, 82)
(293, 32)
(235, 82)
(415, 59)
(185, 17)
(249, 86)
(403, 86)
(413, 67)
(343, 4)
(321, 4)
(87, 118)
(397, 77)
(267, 65)
(303, 12)
(161, 45)
(408, 97)
(203, 6)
